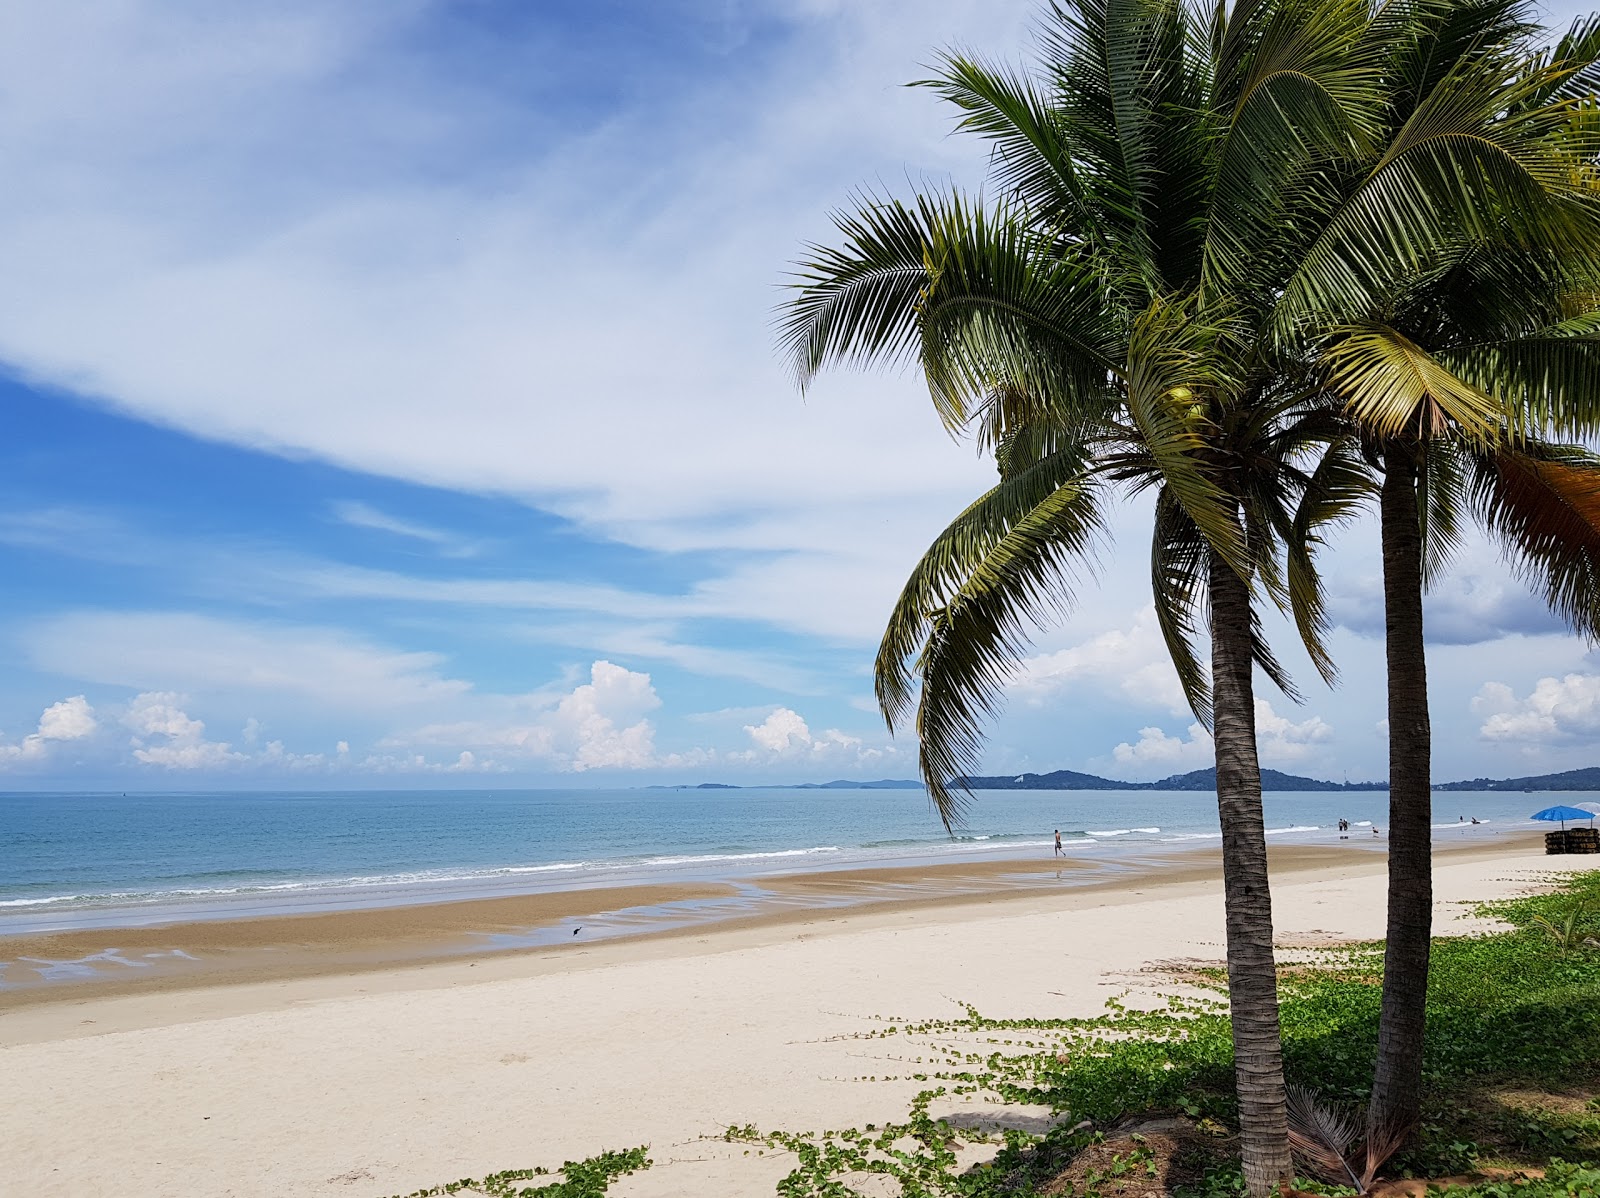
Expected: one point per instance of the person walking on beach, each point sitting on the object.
(1058, 842)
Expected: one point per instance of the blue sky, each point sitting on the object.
(392, 401)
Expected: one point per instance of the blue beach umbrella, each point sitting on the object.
(1563, 814)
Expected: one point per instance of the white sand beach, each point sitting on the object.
(380, 1082)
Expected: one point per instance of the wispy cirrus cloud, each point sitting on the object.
(364, 515)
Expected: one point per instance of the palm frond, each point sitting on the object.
(1440, 505)
(858, 304)
(1392, 388)
(1340, 485)
(1470, 163)
(1322, 1135)
(950, 562)
(1547, 383)
(997, 322)
(1177, 365)
(1542, 502)
(1179, 561)
(1031, 150)
(1295, 84)
(977, 640)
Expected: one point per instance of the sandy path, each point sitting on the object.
(380, 1083)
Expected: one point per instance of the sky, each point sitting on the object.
(392, 400)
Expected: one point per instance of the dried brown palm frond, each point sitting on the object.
(1321, 1135)
(1327, 1139)
(1382, 1143)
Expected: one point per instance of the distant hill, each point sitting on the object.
(1584, 779)
(1270, 780)
(1198, 780)
(1055, 780)
(1203, 780)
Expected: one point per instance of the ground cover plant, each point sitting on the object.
(1511, 1073)
(1511, 1082)
(589, 1178)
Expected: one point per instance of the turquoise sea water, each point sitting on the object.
(104, 859)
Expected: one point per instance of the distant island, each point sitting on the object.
(1587, 778)
(1204, 780)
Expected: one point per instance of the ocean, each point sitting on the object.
(87, 860)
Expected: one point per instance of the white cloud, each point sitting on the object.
(1132, 661)
(1556, 711)
(594, 719)
(70, 719)
(179, 740)
(262, 225)
(1279, 741)
(780, 731)
(178, 651)
(600, 724)
(1173, 754)
(364, 515)
(784, 736)
(60, 723)
(1282, 739)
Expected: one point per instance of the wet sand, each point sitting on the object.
(69, 965)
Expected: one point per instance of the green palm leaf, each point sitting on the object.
(977, 639)
(1392, 388)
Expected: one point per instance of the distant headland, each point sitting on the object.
(1587, 778)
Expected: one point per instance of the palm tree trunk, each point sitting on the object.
(1252, 970)
(1397, 1079)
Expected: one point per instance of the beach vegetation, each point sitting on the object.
(588, 1178)
(1572, 925)
(1510, 1081)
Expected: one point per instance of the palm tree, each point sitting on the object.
(1108, 324)
(1453, 359)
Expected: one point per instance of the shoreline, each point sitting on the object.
(41, 969)
(421, 849)
(386, 1081)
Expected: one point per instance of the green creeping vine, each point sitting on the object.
(1506, 1009)
(1561, 1180)
(589, 1178)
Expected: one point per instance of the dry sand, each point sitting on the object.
(375, 1082)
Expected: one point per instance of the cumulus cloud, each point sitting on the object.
(595, 720)
(1556, 711)
(1131, 661)
(1175, 754)
(69, 720)
(785, 736)
(780, 731)
(600, 724)
(165, 734)
(1280, 741)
